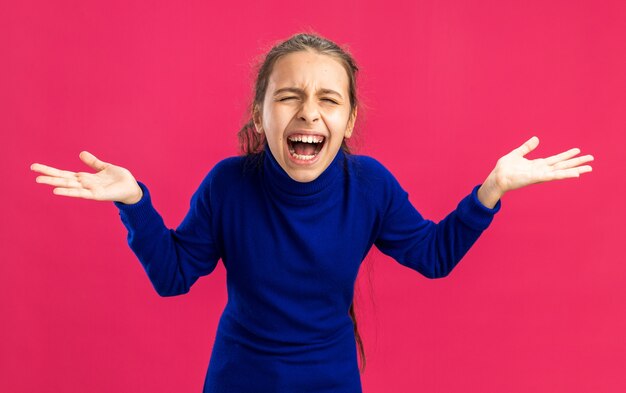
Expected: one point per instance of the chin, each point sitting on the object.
(303, 176)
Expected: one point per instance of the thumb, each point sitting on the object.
(92, 161)
(528, 146)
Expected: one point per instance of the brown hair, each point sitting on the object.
(252, 142)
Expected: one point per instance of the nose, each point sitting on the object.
(309, 112)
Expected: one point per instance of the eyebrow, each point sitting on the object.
(300, 91)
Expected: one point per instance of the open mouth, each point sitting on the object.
(305, 147)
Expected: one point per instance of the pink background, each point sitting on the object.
(447, 86)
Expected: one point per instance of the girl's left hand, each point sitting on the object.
(513, 171)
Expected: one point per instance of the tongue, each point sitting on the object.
(305, 149)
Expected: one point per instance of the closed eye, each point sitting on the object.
(323, 99)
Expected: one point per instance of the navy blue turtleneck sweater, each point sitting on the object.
(292, 252)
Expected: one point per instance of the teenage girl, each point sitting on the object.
(292, 219)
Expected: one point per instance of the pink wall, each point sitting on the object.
(448, 87)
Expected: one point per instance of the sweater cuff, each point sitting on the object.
(476, 215)
(137, 213)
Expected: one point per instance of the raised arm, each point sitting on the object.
(173, 259)
(434, 249)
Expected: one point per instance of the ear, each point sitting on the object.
(350, 126)
(256, 118)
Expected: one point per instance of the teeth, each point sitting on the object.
(303, 157)
(307, 138)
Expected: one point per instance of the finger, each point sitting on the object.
(92, 161)
(528, 146)
(48, 170)
(562, 156)
(73, 192)
(58, 181)
(574, 162)
(570, 173)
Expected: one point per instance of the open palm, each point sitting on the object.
(109, 183)
(514, 171)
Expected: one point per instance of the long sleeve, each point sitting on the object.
(432, 249)
(172, 259)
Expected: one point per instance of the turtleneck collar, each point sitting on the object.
(279, 180)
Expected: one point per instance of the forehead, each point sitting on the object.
(307, 69)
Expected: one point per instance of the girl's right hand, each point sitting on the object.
(109, 183)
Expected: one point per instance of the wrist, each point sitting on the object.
(489, 192)
(135, 198)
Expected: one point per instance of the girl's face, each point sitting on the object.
(306, 113)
